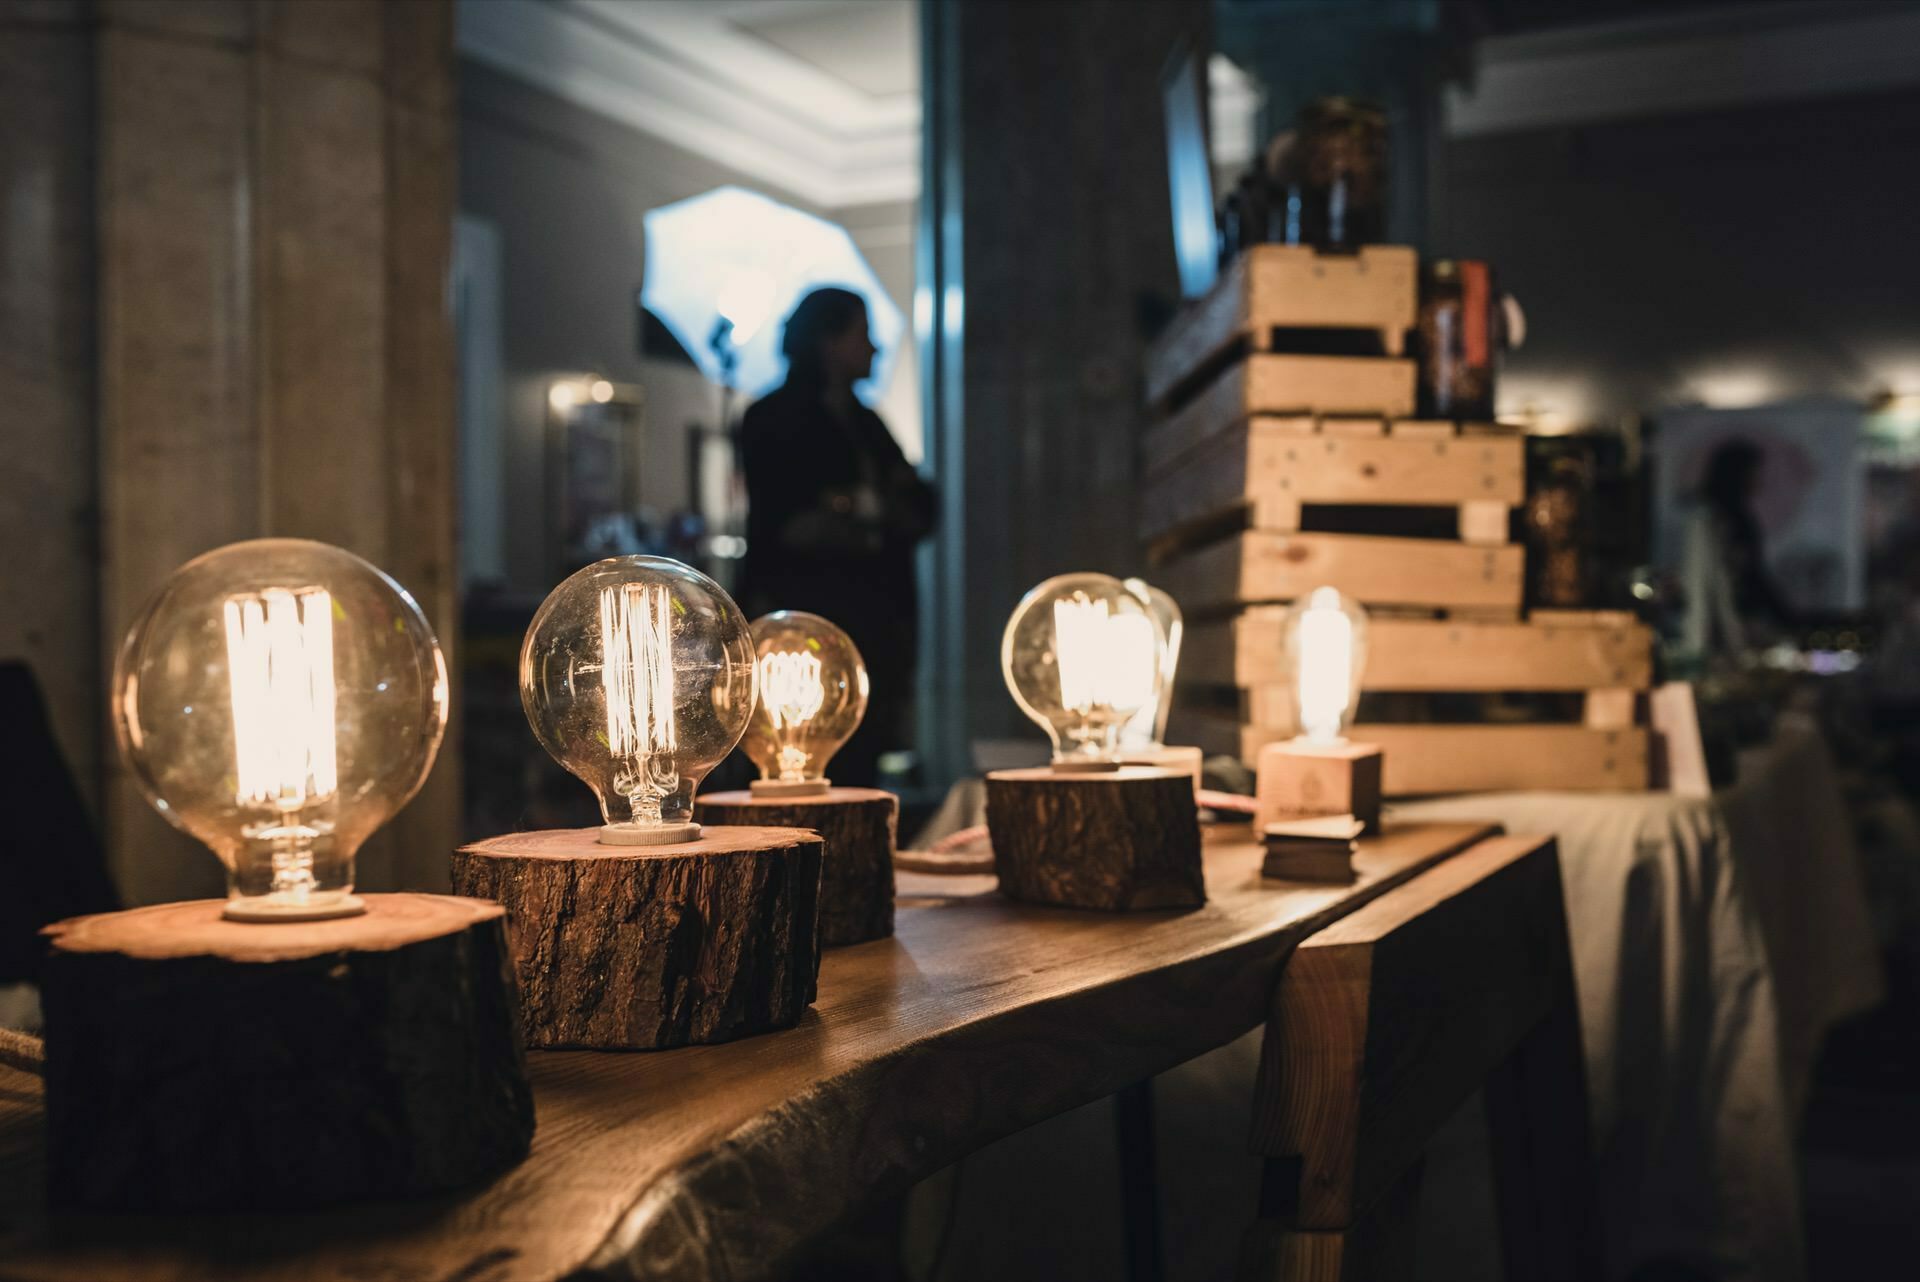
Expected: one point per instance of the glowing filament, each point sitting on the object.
(636, 675)
(280, 673)
(1107, 661)
(1326, 668)
(792, 692)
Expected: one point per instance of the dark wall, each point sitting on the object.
(1746, 255)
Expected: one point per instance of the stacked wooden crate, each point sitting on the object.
(1272, 472)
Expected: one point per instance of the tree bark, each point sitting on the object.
(646, 947)
(1120, 841)
(195, 1063)
(856, 876)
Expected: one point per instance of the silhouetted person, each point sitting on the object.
(1731, 597)
(834, 511)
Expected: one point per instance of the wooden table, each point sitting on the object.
(979, 1017)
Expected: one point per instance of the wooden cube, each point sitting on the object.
(1298, 780)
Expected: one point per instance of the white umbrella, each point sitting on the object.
(735, 263)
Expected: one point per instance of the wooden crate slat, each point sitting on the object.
(1273, 385)
(1422, 759)
(1542, 654)
(1261, 566)
(1289, 286)
(1256, 461)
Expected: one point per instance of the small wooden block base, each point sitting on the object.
(197, 1063)
(654, 946)
(1125, 840)
(856, 876)
(1301, 780)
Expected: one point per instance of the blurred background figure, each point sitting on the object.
(1732, 603)
(834, 511)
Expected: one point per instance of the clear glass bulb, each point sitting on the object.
(279, 700)
(813, 692)
(1325, 639)
(638, 676)
(1082, 657)
(1148, 728)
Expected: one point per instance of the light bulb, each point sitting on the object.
(813, 692)
(1325, 639)
(279, 700)
(1082, 657)
(1148, 728)
(638, 676)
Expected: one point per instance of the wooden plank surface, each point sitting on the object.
(978, 1017)
(1261, 460)
(1287, 286)
(1261, 566)
(1542, 654)
(1281, 385)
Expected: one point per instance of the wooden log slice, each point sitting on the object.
(645, 947)
(856, 877)
(1120, 841)
(195, 1063)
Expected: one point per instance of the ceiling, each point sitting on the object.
(819, 98)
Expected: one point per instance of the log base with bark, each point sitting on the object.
(1129, 839)
(858, 824)
(197, 1063)
(646, 947)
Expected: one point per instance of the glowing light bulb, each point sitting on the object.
(601, 391)
(563, 395)
(279, 700)
(813, 693)
(1325, 636)
(1082, 657)
(638, 676)
(1148, 728)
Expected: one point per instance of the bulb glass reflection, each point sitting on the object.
(1325, 639)
(638, 676)
(813, 693)
(279, 700)
(1082, 657)
(1148, 727)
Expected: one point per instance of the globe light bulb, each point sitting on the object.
(813, 692)
(1325, 639)
(1082, 657)
(279, 700)
(1148, 728)
(638, 676)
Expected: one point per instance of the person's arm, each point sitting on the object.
(909, 507)
(793, 498)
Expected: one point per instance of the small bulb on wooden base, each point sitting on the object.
(195, 1063)
(1123, 840)
(654, 946)
(1299, 779)
(859, 827)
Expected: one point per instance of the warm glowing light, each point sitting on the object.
(813, 694)
(636, 676)
(791, 690)
(1326, 667)
(1081, 656)
(601, 391)
(563, 395)
(280, 672)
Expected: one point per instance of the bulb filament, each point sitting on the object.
(636, 675)
(281, 681)
(1108, 665)
(792, 692)
(1326, 669)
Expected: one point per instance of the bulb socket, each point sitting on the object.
(265, 908)
(649, 835)
(790, 787)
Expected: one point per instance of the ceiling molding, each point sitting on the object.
(682, 71)
(1704, 61)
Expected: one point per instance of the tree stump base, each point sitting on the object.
(1120, 841)
(646, 947)
(856, 874)
(200, 1064)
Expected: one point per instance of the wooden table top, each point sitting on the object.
(979, 1017)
